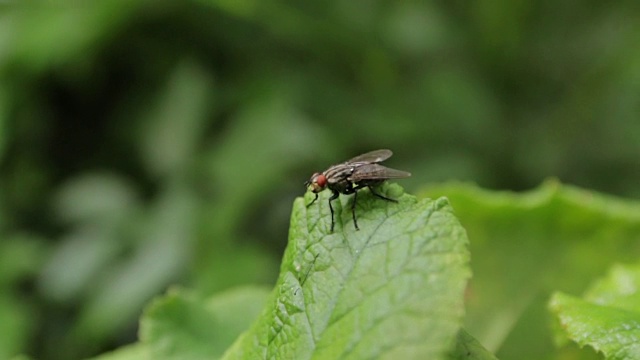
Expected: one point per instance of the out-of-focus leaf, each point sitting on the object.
(467, 347)
(100, 206)
(4, 120)
(415, 28)
(20, 258)
(392, 290)
(152, 251)
(161, 253)
(253, 157)
(39, 35)
(242, 166)
(16, 325)
(21, 255)
(136, 351)
(620, 289)
(555, 237)
(75, 263)
(21, 357)
(96, 197)
(174, 128)
(180, 326)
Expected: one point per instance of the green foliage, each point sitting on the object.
(525, 246)
(392, 289)
(607, 318)
(145, 144)
(181, 325)
(20, 256)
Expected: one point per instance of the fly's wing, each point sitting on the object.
(372, 157)
(376, 172)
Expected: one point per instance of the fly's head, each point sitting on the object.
(316, 183)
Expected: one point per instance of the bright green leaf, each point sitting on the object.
(610, 330)
(392, 290)
(608, 318)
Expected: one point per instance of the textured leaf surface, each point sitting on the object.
(392, 290)
(608, 318)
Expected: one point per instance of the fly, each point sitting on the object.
(352, 175)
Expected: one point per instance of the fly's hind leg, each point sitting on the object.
(353, 209)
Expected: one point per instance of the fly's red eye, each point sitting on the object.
(321, 180)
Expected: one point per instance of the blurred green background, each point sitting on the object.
(150, 143)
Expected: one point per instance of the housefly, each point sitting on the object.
(352, 175)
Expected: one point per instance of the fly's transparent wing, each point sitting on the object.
(371, 157)
(376, 172)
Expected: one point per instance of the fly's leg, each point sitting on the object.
(353, 209)
(381, 196)
(333, 197)
(314, 200)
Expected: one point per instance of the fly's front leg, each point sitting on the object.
(333, 197)
(314, 200)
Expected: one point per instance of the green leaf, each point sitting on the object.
(614, 332)
(21, 256)
(181, 326)
(43, 37)
(524, 245)
(392, 290)
(173, 128)
(468, 348)
(137, 351)
(619, 289)
(608, 318)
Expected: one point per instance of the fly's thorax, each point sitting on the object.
(338, 173)
(338, 177)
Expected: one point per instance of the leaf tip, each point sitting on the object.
(441, 203)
